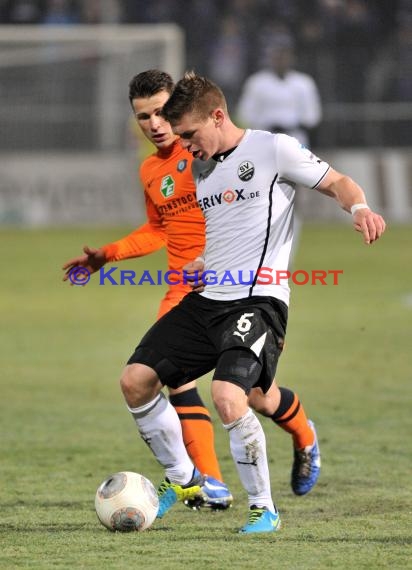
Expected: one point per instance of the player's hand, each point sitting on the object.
(92, 260)
(193, 273)
(369, 224)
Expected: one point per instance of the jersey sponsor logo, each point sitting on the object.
(178, 205)
(167, 186)
(181, 165)
(246, 170)
(228, 197)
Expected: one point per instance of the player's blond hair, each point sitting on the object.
(193, 94)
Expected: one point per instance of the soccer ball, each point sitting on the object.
(126, 501)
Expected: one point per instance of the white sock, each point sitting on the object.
(248, 447)
(159, 426)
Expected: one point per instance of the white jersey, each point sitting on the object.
(287, 103)
(247, 200)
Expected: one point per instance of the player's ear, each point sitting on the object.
(218, 116)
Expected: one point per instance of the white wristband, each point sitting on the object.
(357, 207)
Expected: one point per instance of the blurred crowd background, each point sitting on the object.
(337, 74)
(357, 51)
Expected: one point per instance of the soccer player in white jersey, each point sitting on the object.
(245, 185)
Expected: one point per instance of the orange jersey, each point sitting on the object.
(174, 218)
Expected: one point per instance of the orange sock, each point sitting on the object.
(291, 417)
(197, 429)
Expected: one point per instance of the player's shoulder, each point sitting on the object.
(149, 161)
(183, 159)
(282, 139)
(179, 155)
(256, 138)
(252, 134)
(291, 153)
(256, 146)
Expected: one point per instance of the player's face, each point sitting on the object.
(154, 127)
(198, 136)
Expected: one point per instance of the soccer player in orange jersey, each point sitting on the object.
(175, 221)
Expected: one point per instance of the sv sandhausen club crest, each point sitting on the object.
(246, 170)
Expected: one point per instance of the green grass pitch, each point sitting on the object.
(64, 426)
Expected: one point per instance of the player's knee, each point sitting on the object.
(263, 407)
(230, 401)
(265, 404)
(226, 409)
(139, 384)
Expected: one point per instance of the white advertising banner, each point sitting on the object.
(69, 189)
(74, 189)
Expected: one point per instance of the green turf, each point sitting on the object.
(64, 426)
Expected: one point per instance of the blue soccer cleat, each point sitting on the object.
(306, 467)
(261, 520)
(169, 493)
(214, 495)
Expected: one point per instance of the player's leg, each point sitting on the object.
(194, 417)
(173, 352)
(159, 427)
(198, 436)
(284, 408)
(236, 371)
(197, 427)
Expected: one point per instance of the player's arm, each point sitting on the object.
(92, 259)
(351, 198)
(298, 164)
(144, 240)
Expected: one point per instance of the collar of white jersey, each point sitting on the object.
(220, 156)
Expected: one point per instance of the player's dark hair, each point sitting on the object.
(149, 83)
(193, 94)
